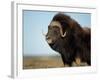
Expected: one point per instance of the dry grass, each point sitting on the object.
(37, 62)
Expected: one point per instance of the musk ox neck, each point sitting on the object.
(62, 45)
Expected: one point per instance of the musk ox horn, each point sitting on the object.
(62, 35)
(57, 24)
(61, 32)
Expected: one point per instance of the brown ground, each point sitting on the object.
(36, 62)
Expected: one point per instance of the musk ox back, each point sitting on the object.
(68, 38)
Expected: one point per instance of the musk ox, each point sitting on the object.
(66, 36)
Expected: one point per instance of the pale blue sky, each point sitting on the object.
(34, 22)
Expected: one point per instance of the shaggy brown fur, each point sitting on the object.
(76, 43)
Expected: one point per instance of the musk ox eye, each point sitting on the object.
(50, 28)
(55, 32)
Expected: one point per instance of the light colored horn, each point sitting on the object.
(62, 35)
(61, 32)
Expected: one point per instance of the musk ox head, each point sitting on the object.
(55, 32)
(58, 28)
(61, 27)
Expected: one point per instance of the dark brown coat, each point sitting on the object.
(76, 43)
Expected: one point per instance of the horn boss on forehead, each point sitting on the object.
(58, 24)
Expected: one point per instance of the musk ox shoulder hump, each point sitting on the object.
(61, 17)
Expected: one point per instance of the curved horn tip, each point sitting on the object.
(64, 34)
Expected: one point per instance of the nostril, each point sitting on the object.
(47, 37)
